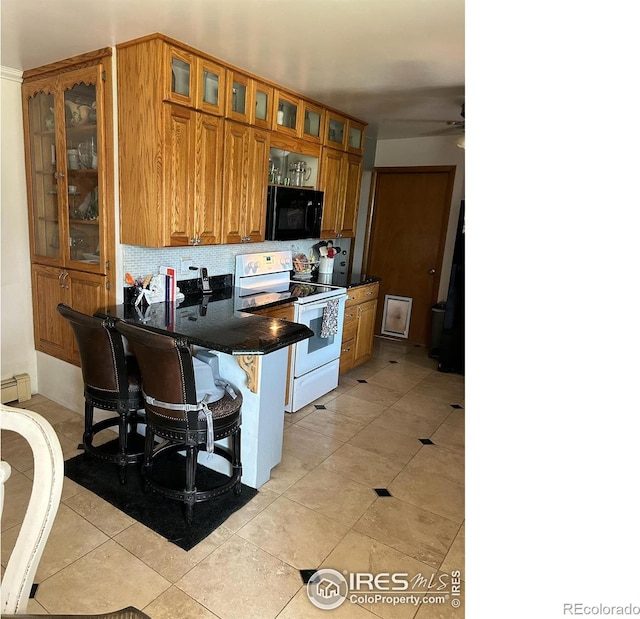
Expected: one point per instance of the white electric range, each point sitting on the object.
(265, 278)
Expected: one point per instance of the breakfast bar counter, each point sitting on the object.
(253, 355)
(213, 323)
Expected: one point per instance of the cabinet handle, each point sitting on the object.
(58, 175)
(346, 349)
(60, 279)
(370, 292)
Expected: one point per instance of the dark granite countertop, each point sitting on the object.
(214, 323)
(348, 280)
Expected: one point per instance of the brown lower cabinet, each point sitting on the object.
(359, 323)
(85, 292)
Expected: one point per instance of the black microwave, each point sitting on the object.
(293, 213)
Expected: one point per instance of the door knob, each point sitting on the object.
(432, 271)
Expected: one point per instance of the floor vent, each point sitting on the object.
(15, 388)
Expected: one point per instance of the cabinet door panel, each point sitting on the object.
(364, 334)
(263, 104)
(335, 131)
(208, 179)
(86, 293)
(181, 76)
(351, 196)
(355, 137)
(43, 117)
(210, 87)
(178, 170)
(52, 334)
(258, 173)
(239, 96)
(234, 200)
(331, 183)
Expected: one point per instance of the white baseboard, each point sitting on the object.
(17, 387)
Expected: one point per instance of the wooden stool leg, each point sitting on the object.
(146, 462)
(191, 465)
(122, 442)
(237, 461)
(87, 437)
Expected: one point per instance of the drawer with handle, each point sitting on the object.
(358, 294)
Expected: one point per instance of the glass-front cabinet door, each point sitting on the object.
(182, 76)
(81, 147)
(238, 96)
(64, 146)
(263, 104)
(336, 131)
(44, 177)
(313, 122)
(287, 114)
(210, 87)
(355, 141)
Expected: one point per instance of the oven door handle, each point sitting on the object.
(306, 307)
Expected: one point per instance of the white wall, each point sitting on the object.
(18, 351)
(430, 151)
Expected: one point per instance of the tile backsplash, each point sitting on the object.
(218, 259)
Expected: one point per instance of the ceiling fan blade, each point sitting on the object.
(445, 131)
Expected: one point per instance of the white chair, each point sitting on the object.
(48, 474)
(43, 504)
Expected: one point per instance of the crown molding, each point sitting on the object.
(7, 73)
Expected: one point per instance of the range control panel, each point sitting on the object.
(264, 263)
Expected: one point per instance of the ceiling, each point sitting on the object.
(397, 65)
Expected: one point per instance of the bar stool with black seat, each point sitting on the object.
(183, 421)
(112, 383)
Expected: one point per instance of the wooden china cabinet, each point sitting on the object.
(69, 165)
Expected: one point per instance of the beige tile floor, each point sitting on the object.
(319, 509)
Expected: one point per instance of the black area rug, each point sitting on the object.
(162, 515)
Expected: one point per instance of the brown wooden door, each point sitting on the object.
(408, 231)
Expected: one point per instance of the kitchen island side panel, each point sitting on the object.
(262, 416)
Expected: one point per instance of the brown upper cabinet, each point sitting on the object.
(193, 81)
(190, 173)
(170, 156)
(244, 201)
(340, 180)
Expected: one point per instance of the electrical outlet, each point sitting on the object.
(185, 264)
